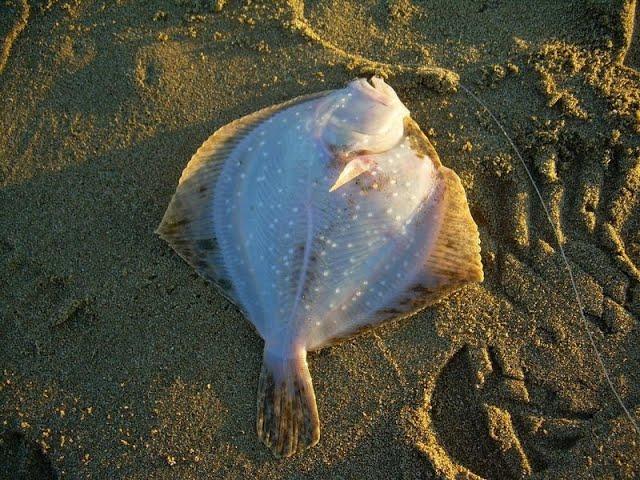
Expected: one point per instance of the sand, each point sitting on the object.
(117, 361)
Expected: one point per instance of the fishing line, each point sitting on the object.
(564, 257)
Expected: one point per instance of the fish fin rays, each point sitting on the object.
(188, 223)
(188, 227)
(419, 142)
(287, 416)
(455, 257)
(452, 262)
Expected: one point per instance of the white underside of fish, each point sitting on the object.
(319, 218)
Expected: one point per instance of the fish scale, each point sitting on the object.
(321, 217)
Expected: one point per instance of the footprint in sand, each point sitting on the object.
(14, 19)
(530, 403)
(23, 459)
(39, 300)
(630, 14)
(487, 423)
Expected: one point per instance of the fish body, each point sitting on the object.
(319, 218)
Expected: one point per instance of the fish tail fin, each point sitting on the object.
(287, 419)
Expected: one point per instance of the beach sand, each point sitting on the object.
(118, 362)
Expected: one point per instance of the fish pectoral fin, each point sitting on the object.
(287, 419)
(354, 169)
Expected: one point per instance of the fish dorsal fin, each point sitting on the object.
(188, 224)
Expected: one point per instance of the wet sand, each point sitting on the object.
(118, 361)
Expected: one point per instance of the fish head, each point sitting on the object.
(360, 125)
(365, 116)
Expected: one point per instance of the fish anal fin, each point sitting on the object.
(454, 259)
(287, 416)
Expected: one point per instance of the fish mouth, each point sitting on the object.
(377, 89)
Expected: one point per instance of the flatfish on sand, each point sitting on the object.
(319, 218)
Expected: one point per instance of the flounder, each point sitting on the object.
(319, 218)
